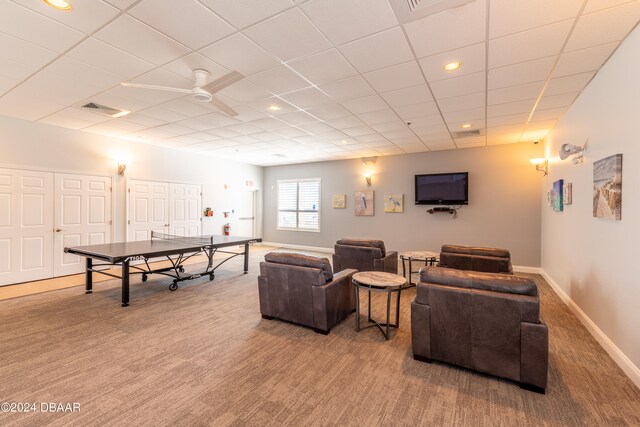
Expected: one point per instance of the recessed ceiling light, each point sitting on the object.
(273, 107)
(344, 141)
(452, 66)
(59, 4)
(466, 126)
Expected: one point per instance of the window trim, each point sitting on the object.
(297, 211)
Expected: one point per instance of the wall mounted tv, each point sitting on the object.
(442, 189)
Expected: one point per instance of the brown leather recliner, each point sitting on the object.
(487, 322)
(490, 260)
(303, 289)
(364, 255)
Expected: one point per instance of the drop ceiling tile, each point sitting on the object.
(543, 124)
(288, 36)
(191, 24)
(223, 133)
(160, 113)
(377, 51)
(528, 45)
(23, 53)
(168, 131)
(472, 114)
(86, 16)
(328, 111)
(510, 120)
(514, 93)
(397, 134)
(458, 86)
(200, 123)
(604, 26)
(323, 67)
(479, 141)
(296, 118)
(381, 116)
(344, 20)
(508, 16)
(162, 77)
(465, 102)
(512, 131)
(557, 101)
(266, 136)
(71, 72)
(441, 145)
(244, 129)
(121, 4)
(395, 77)
(316, 128)
(146, 43)
(554, 113)
(448, 30)
(124, 125)
(372, 140)
(365, 104)
(245, 139)
(426, 122)
(408, 96)
(596, 5)
(237, 52)
(132, 99)
(139, 119)
(248, 114)
(244, 92)
(306, 98)
(25, 24)
(110, 59)
(392, 126)
(268, 124)
(12, 73)
(358, 131)
(423, 109)
(345, 122)
(73, 118)
(579, 61)
(188, 106)
(279, 80)
(264, 104)
(349, 88)
(472, 59)
(290, 132)
(501, 139)
(509, 108)
(242, 13)
(414, 148)
(527, 72)
(185, 66)
(568, 83)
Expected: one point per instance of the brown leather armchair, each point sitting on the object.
(490, 260)
(487, 322)
(303, 289)
(364, 255)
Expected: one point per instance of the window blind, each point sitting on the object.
(299, 204)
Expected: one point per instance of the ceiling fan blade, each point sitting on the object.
(223, 107)
(224, 81)
(166, 88)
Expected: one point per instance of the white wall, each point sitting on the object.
(28, 145)
(593, 261)
(503, 210)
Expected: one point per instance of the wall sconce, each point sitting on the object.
(569, 150)
(542, 165)
(121, 168)
(367, 177)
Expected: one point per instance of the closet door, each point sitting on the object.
(26, 225)
(82, 217)
(185, 202)
(148, 209)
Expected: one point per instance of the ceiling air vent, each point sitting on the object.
(105, 111)
(410, 10)
(466, 133)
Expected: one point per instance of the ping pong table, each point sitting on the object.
(176, 249)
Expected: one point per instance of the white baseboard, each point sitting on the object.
(632, 371)
(298, 247)
(527, 269)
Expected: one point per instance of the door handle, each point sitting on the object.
(57, 230)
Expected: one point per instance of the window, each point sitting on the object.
(299, 204)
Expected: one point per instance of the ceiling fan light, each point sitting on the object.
(58, 4)
(201, 95)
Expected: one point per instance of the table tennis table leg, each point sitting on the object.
(125, 283)
(246, 258)
(89, 277)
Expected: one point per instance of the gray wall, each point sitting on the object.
(592, 260)
(503, 210)
(27, 145)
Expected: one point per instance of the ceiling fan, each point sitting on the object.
(201, 91)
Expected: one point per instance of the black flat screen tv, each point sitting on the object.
(442, 189)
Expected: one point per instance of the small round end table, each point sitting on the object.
(429, 258)
(378, 281)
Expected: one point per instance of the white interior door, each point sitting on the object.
(245, 214)
(185, 203)
(148, 209)
(82, 217)
(26, 225)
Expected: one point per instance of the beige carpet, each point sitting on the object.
(203, 356)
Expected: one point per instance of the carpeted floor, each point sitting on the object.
(203, 356)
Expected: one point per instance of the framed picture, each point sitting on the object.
(607, 187)
(393, 203)
(363, 201)
(339, 201)
(567, 197)
(556, 195)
